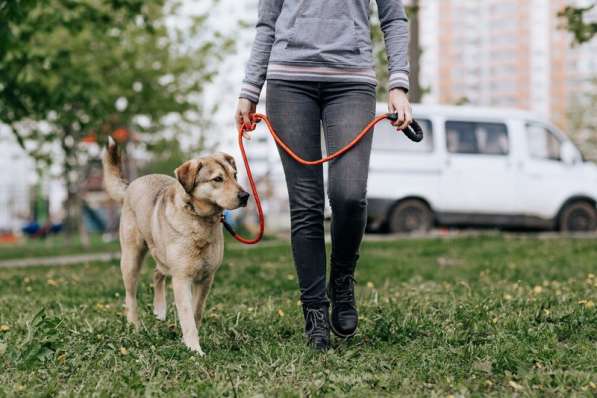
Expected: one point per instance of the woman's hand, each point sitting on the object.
(244, 110)
(398, 103)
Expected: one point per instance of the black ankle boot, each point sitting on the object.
(345, 317)
(317, 326)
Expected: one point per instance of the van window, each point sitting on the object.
(386, 138)
(542, 143)
(477, 138)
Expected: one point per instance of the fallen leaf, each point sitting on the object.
(587, 303)
(53, 282)
(123, 351)
(370, 285)
(280, 312)
(515, 385)
(537, 289)
(4, 328)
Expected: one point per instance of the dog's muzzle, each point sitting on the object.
(243, 198)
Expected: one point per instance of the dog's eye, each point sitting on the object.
(235, 176)
(218, 179)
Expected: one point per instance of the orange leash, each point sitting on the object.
(414, 132)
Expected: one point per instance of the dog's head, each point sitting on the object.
(211, 181)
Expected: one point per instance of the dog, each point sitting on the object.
(178, 221)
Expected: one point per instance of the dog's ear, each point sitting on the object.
(187, 172)
(229, 159)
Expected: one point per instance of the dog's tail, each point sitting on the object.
(113, 181)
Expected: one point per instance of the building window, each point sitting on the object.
(477, 138)
(385, 138)
(542, 143)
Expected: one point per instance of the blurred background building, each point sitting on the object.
(504, 53)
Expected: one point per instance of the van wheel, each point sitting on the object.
(578, 217)
(410, 216)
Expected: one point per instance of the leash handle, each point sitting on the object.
(414, 132)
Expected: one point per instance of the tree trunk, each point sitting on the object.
(73, 222)
(414, 49)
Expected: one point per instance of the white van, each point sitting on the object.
(479, 166)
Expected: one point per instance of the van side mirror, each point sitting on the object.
(569, 154)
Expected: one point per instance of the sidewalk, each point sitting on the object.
(74, 259)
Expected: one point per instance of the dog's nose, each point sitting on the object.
(243, 198)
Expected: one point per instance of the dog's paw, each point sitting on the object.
(160, 313)
(197, 350)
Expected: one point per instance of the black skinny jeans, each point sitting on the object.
(296, 109)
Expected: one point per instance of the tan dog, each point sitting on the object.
(178, 221)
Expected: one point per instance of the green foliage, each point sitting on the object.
(475, 316)
(583, 120)
(575, 22)
(168, 155)
(71, 68)
(42, 341)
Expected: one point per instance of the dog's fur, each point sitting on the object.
(178, 221)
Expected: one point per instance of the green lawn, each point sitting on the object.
(55, 246)
(486, 316)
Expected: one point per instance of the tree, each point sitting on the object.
(381, 61)
(583, 121)
(71, 69)
(582, 30)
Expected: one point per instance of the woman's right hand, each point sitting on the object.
(244, 110)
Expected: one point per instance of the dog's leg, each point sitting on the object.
(200, 292)
(183, 297)
(159, 295)
(130, 265)
(133, 249)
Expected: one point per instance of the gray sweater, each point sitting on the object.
(324, 40)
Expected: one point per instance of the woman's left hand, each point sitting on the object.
(398, 103)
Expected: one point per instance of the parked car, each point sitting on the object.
(482, 167)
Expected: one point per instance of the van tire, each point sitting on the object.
(410, 216)
(578, 217)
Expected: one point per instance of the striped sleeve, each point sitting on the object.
(250, 92)
(256, 69)
(394, 25)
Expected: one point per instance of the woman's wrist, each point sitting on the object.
(399, 89)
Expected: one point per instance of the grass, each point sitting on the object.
(484, 316)
(57, 245)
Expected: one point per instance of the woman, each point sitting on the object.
(317, 58)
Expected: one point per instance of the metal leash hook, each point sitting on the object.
(413, 132)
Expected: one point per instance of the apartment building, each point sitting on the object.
(506, 53)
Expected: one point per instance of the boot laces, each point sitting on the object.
(344, 289)
(317, 320)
